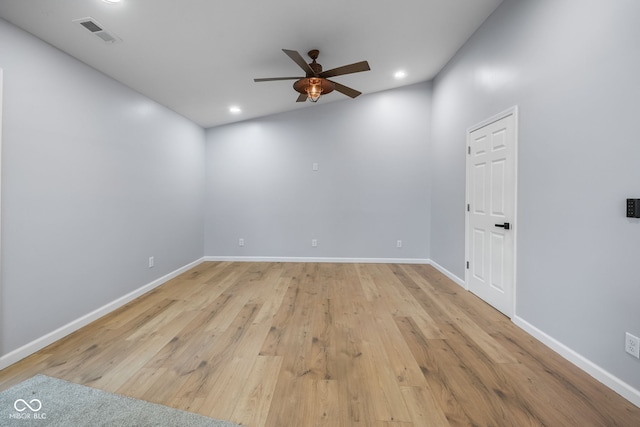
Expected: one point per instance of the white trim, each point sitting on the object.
(606, 378)
(609, 380)
(449, 274)
(320, 259)
(39, 343)
(51, 337)
(1, 287)
(508, 112)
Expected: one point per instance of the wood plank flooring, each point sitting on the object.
(296, 345)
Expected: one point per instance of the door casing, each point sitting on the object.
(1, 289)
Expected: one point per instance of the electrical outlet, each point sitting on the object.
(399, 244)
(240, 242)
(151, 262)
(632, 345)
(314, 243)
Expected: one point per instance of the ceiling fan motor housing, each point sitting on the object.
(317, 68)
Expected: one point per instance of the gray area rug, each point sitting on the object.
(45, 401)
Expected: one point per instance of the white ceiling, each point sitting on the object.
(199, 57)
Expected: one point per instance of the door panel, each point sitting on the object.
(478, 254)
(497, 261)
(480, 185)
(491, 176)
(498, 177)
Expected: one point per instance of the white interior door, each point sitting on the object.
(491, 209)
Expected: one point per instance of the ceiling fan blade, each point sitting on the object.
(346, 69)
(345, 89)
(302, 97)
(271, 79)
(298, 59)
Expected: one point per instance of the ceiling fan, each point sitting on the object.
(315, 82)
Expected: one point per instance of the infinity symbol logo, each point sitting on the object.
(22, 405)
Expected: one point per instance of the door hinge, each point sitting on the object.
(467, 265)
(469, 150)
(468, 207)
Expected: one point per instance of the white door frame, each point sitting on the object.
(514, 112)
(1, 289)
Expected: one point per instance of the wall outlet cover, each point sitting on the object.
(632, 345)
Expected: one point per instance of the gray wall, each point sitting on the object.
(96, 178)
(371, 189)
(572, 67)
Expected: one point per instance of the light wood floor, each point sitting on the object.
(293, 345)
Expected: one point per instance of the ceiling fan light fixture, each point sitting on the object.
(313, 87)
(314, 90)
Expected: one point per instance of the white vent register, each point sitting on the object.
(98, 30)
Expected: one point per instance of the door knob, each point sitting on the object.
(506, 225)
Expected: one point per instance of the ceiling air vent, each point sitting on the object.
(98, 30)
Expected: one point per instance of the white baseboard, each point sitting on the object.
(449, 274)
(606, 378)
(611, 381)
(51, 337)
(319, 259)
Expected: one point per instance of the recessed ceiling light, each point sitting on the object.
(235, 109)
(400, 75)
(111, 1)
